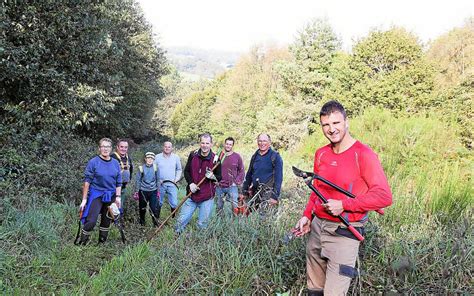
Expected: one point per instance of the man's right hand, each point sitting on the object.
(302, 227)
(193, 187)
(83, 204)
(135, 196)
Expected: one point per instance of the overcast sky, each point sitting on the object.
(238, 25)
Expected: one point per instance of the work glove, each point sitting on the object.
(118, 202)
(193, 187)
(210, 175)
(216, 159)
(83, 204)
(135, 196)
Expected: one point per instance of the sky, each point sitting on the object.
(239, 25)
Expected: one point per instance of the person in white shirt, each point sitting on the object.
(169, 166)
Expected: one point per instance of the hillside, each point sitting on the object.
(196, 63)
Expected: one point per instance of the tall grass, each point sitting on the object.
(422, 245)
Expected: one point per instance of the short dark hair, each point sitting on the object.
(230, 139)
(205, 135)
(331, 107)
(120, 140)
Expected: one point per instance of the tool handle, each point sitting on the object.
(355, 232)
(341, 218)
(342, 190)
(179, 206)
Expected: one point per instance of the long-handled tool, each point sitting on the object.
(181, 203)
(172, 182)
(76, 241)
(308, 178)
(304, 174)
(116, 219)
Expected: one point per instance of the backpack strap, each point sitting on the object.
(122, 165)
(155, 168)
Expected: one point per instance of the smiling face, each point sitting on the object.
(205, 144)
(122, 148)
(105, 147)
(263, 142)
(149, 160)
(167, 148)
(334, 127)
(229, 144)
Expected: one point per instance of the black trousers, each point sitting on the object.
(148, 197)
(97, 207)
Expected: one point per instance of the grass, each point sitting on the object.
(422, 245)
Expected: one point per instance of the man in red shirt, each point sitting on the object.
(331, 250)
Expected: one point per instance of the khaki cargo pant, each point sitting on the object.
(330, 258)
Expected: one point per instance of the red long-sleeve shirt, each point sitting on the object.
(357, 170)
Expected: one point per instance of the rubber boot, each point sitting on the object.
(85, 236)
(103, 234)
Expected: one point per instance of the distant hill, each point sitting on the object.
(201, 63)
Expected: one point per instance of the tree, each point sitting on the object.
(91, 68)
(453, 53)
(313, 52)
(387, 69)
(191, 117)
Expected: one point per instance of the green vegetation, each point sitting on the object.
(74, 73)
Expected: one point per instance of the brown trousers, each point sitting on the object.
(330, 258)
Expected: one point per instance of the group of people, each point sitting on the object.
(331, 250)
(208, 175)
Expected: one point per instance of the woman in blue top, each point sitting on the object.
(102, 187)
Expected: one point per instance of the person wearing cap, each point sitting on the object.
(102, 187)
(147, 183)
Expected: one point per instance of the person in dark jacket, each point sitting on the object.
(199, 167)
(126, 167)
(265, 173)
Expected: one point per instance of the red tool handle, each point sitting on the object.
(355, 233)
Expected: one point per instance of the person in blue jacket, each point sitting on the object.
(102, 187)
(265, 173)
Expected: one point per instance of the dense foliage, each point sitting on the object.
(87, 68)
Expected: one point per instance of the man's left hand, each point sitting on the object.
(334, 207)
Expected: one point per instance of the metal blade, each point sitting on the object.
(300, 173)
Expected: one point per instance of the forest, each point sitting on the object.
(74, 72)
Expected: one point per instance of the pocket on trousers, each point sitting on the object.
(348, 271)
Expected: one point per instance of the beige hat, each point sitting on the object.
(150, 154)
